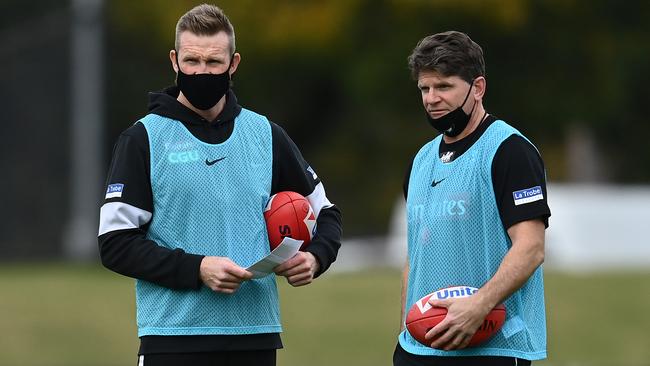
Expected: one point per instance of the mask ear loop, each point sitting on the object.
(467, 96)
(232, 57)
(178, 65)
(230, 83)
(471, 84)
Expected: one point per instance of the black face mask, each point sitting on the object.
(203, 91)
(454, 122)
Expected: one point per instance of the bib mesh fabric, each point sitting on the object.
(209, 200)
(456, 237)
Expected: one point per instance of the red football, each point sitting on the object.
(423, 316)
(289, 214)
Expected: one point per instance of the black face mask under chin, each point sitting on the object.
(454, 122)
(203, 91)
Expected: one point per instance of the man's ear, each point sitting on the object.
(236, 59)
(480, 85)
(172, 58)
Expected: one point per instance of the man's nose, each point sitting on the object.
(202, 68)
(431, 97)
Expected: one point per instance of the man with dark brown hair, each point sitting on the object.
(476, 215)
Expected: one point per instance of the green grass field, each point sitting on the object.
(69, 315)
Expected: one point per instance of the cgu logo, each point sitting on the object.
(183, 157)
(446, 293)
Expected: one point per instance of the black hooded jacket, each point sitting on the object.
(128, 252)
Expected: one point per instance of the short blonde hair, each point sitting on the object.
(205, 20)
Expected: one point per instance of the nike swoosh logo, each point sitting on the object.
(208, 162)
(434, 183)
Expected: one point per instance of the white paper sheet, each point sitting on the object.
(287, 249)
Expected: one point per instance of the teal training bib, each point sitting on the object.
(456, 237)
(209, 199)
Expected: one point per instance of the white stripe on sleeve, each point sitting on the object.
(318, 200)
(119, 216)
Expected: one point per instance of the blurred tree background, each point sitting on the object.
(570, 74)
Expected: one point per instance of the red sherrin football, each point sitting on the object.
(289, 214)
(422, 316)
